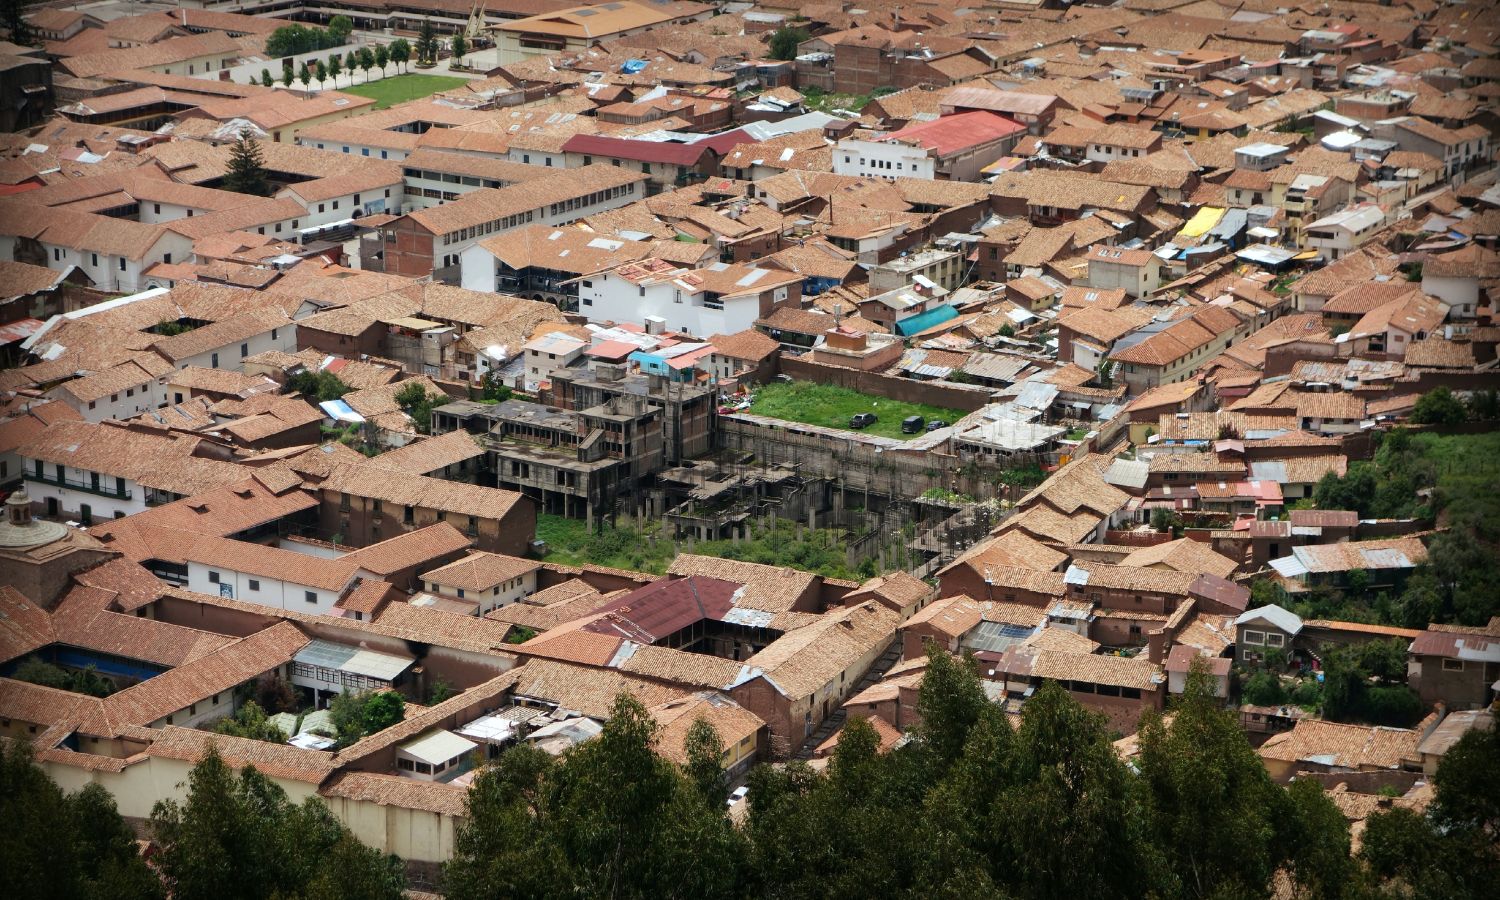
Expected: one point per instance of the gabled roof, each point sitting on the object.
(1288, 622)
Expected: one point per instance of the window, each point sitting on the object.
(166, 258)
(1275, 640)
(1253, 637)
(321, 208)
(214, 361)
(213, 577)
(254, 586)
(310, 596)
(1453, 665)
(93, 259)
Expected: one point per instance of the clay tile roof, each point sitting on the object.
(748, 345)
(481, 571)
(1344, 746)
(192, 682)
(278, 761)
(409, 549)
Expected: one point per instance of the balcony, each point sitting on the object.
(78, 484)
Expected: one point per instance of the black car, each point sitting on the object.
(935, 424)
(912, 424)
(862, 420)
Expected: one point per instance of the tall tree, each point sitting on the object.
(705, 762)
(1314, 837)
(784, 41)
(1212, 805)
(612, 818)
(322, 74)
(951, 703)
(382, 58)
(400, 52)
(460, 45)
(427, 45)
(335, 66)
(63, 845)
(1072, 800)
(247, 169)
(13, 15)
(304, 75)
(366, 62)
(287, 75)
(240, 837)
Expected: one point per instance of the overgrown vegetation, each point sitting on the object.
(832, 406)
(250, 721)
(570, 542)
(320, 386)
(418, 402)
(1447, 478)
(355, 715)
(784, 42)
(946, 496)
(79, 681)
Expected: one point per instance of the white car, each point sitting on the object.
(739, 794)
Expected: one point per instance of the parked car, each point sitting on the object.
(739, 794)
(912, 424)
(935, 424)
(862, 420)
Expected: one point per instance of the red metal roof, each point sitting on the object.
(667, 152)
(663, 607)
(950, 134)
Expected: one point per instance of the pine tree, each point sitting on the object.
(19, 28)
(322, 74)
(266, 79)
(287, 75)
(427, 44)
(335, 66)
(247, 169)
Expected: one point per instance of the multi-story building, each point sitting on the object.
(722, 298)
(431, 241)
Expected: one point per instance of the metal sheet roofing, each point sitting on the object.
(437, 747)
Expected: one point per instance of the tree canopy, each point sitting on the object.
(238, 837)
(65, 845)
(784, 41)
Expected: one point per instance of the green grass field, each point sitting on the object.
(832, 406)
(401, 88)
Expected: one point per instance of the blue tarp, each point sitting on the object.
(925, 320)
(632, 66)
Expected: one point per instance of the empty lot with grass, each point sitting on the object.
(832, 407)
(401, 88)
